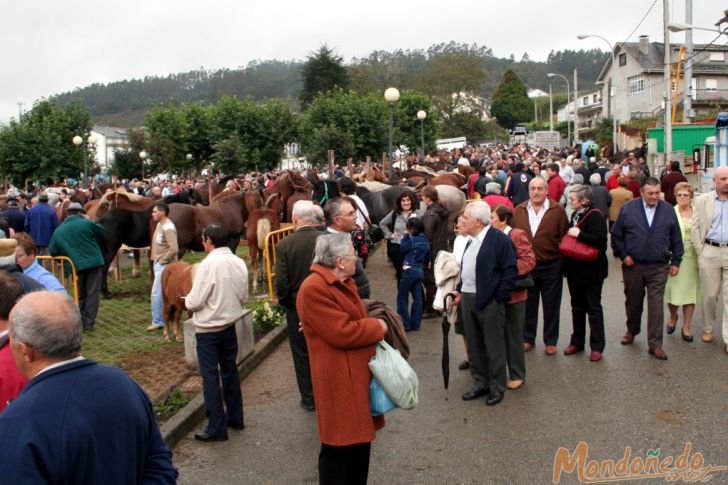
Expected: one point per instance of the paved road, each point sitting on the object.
(628, 400)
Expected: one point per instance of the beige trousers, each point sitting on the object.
(713, 266)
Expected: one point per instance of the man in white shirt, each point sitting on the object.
(219, 291)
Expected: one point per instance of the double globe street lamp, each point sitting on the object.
(78, 141)
(609, 88)
(421, 115)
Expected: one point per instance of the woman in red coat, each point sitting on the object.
(500, 218)
(341, 339)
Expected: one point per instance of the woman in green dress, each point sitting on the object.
(684, 289)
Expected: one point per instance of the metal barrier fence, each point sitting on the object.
(55, 264)
(269, 251)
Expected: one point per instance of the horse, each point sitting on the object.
(452, 178)
(177, 281)
(378, 204)
(126, 221)
(230, 211)
(291, 187)
(259, 224)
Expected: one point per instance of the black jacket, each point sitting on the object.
(294, 254)
(593, 233)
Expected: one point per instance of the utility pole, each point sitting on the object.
(688, 106)
(551, 110)
(666, 76)
(20, 109)
(576, 110)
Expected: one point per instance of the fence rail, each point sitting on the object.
(269, 251)
(55, 264)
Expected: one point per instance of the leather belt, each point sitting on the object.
(716, 244)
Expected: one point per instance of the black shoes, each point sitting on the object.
(464, 365)
(494, 398)
(237, 426)
(205, 436)
(687, 338)
(308, 407)
(475, 393)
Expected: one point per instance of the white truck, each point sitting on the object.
(714, 153)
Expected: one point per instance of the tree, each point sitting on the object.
(407, 126)
(322, 71)
(358, 122)
(229, 155)
(510, 103)
(39, 147)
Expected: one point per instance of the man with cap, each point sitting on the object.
(15, 216)
(492, 196)
(40, 222)
(7, 263)
(81, 240)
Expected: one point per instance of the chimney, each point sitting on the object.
(644, 45)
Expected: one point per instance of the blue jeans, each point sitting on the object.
(411, 282)
(157, 301)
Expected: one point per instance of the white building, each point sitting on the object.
(536, 93)
(108, 138)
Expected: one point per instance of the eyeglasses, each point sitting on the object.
(683, 195)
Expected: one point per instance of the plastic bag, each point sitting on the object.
(395, 376)
(379, 402)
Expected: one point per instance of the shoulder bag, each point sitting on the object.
(571, 248)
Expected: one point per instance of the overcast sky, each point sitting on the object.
(50, 46)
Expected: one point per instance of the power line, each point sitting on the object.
(640, 23)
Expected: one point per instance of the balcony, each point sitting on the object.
(709, 96)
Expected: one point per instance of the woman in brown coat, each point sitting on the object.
(341, 339)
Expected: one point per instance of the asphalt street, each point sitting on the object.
(629, 399)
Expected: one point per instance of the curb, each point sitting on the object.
(187, 418)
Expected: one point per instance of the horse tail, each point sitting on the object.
(262, 230)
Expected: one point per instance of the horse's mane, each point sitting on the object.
(131, 197)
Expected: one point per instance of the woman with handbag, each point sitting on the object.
(500, 218)
(393, 225)
(584, 251)
(341, 340)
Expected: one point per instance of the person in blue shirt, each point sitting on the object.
(40, 222)
(416, 252)
(25, 257)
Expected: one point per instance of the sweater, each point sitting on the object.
(40, 222)
(659, 244)
(81, 240)
(219, 291)
(164, 243)
(553, 226)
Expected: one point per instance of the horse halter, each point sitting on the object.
(325, 198)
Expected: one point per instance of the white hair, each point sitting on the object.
(480, 210)
(595, 179)
(329, 247)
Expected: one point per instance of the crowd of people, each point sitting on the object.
(535, 218)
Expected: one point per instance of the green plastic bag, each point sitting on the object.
(395, 376)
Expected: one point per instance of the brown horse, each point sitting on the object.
(230, 211)
(177, 281)
(452, 178)
(291, 187)
(260, 223)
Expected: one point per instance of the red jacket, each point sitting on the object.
(340, 338)
(556, 187)
(11, 381)
(526, 260)
(495, 200)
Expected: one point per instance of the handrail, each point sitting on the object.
(56, 267)
(269, 251)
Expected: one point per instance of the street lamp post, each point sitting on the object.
(421, 115)
(613, 70)
(77, 140)
(142, 156)
(392, 96)
(92, 140)
(568, 118)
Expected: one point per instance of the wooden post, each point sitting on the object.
(6, 184)
(209, 190)
(330, 154)
(384, 162)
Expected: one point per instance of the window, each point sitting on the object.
(611, 91)
(622, 59)
(711, 84)
(585, 101)
(717, 57)
(594, 98)
(636, 84)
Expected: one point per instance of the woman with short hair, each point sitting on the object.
(684, 289)
(341, 340)
(585, 278)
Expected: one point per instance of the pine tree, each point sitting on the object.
(322, 71)
(510, 103)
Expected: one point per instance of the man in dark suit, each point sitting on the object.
(294, 255)
(15, 216)
(76, 421)
(487, 277)
(648, 240)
